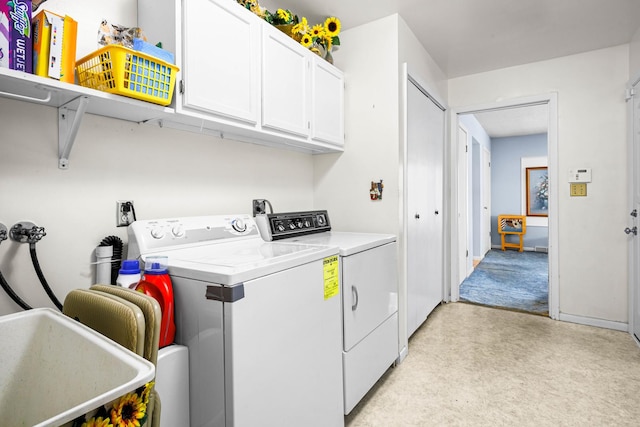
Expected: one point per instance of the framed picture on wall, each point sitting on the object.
(537, 191)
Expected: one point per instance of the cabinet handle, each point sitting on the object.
(354, 291)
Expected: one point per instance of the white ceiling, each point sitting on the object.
(471, 36)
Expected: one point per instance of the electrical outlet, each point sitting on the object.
(124, 212)
(258, 207)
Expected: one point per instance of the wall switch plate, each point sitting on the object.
(578, 189)
(124, 212)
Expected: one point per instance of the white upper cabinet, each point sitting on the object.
(240, 78)
(220, 63)
(327, 112)
(285, 83)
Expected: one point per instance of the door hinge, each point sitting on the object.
(467, 255)
(181, 86)
(629, 93)
(466, 148)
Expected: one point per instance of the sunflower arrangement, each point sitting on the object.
(280, 17)
(319, 38)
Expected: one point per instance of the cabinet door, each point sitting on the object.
(327, 111)
(221, 61)
(285, 83)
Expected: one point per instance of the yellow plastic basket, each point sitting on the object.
(122, 71)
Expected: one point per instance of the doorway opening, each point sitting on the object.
(494, 183)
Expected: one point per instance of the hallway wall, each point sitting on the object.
(592, 133)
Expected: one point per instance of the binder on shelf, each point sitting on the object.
(54, 46)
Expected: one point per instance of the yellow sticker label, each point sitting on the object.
(331, 277)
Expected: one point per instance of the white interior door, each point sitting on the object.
(424, 216)
(463, 210)
(635, 211)
(486, 201)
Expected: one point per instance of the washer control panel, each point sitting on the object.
(284, 225)
(146, 236)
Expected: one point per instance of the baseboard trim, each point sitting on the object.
(590, 321)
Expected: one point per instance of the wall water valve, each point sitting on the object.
(26, 232)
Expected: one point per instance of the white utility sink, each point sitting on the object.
(55, 369)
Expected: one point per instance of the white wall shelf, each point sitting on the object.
(72, 102)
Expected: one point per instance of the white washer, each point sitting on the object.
(262, 328)
(368, 273)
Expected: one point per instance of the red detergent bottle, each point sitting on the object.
(156, 283)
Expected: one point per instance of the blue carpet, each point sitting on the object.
(510, 279)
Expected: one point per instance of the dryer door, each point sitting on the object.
(370, 291)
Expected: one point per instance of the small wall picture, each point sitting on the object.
(537, 188)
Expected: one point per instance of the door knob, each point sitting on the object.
(633, 230)
(436, 212)
(417, 216)
(634, 213)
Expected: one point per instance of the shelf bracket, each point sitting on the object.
(69, 119)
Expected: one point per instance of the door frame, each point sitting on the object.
(551, 100)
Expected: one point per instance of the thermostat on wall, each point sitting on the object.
(580, 175)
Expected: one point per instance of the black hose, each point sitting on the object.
(43, 281)
(12, 294)
(116, 242)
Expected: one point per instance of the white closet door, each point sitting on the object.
(425, 145)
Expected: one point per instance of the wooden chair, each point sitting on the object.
(512, 224)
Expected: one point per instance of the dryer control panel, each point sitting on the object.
(277, 226)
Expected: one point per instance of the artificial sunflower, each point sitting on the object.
(332, 26)
(317, 31)
(98, 422)
(283, 14)
(128, 411)
(306, 40)
(301, 27)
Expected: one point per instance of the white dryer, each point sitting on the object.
(368, 272)
(261, 321)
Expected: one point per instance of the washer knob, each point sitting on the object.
(177, 231)
(239, 225)
(157, 232)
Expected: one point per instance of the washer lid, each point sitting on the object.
(349, 243)
(236, 262)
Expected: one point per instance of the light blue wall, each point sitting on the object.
(506, 185)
